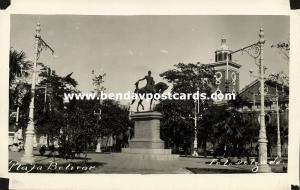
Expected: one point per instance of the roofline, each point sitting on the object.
(224, 62)
(248, 86)
(253, 83)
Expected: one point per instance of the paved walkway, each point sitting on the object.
(116, 163)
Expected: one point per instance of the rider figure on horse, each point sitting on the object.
(150, 88)
(150, 82)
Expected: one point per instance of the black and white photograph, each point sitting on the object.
(149, 94)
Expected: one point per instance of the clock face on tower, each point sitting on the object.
(226, 82)
(234, 80)
(226, 70)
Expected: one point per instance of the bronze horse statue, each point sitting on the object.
(157, 88)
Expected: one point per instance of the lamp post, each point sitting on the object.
(28, 155)
(195, 117)
(195, 153)
(262, 139)
(256, 50)
(97, 81)
(98, 147)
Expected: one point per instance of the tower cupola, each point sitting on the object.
(222, 52)
(226, 70)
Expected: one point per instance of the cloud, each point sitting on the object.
(164, 51)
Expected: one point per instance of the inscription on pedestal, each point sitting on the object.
(146, 130)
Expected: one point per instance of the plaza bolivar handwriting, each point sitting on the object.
(51, 166)
(239, 162)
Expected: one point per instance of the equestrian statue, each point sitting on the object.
(150, 88)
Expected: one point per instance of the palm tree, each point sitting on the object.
(18, 89)
(17, 64)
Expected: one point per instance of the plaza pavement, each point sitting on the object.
(117, 164)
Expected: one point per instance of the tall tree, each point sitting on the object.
(50, 101)
(177, 121)
(221, 125)
(19, 89)
(18, 65)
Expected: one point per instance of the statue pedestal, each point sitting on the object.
(146, 143)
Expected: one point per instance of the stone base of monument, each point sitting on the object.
(149, 154)
(146, 143)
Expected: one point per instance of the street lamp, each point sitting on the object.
(40, 44)
(262, 139)
(98, 148)
(28, 155)
(195, 153)
(97, 81)
(256, 50)
(196, 113)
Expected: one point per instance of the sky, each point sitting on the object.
(126, 47)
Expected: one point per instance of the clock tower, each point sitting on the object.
(226, 70)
